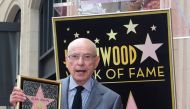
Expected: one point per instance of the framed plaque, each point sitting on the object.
(40, 93)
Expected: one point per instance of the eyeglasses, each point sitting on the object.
(86, 57)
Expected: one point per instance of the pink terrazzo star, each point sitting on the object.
(38, 101)
(131, 102)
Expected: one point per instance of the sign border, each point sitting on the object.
(131, 13)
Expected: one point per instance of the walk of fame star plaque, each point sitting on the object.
(135, 50)
(40, 93)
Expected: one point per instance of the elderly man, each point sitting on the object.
(80, 90)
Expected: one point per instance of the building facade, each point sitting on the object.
(36, 54)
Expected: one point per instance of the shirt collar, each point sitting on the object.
(88, 85)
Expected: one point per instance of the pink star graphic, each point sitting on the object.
(131, 102)
(149, 49)
(38, 101)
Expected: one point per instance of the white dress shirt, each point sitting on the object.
(85, 93)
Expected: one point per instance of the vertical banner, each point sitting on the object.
(135, 51)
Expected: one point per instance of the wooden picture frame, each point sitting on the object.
(40, 93)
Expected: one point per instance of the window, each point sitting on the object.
(46, 62)
(9, 59)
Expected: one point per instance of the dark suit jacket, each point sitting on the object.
(100, 97)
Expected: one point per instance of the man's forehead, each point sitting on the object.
(78, 50)
(82, 44)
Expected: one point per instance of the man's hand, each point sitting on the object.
(16, 96)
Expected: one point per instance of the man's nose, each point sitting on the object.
(80, 60)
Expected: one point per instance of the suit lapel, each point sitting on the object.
(95, 96)
(64, 96)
